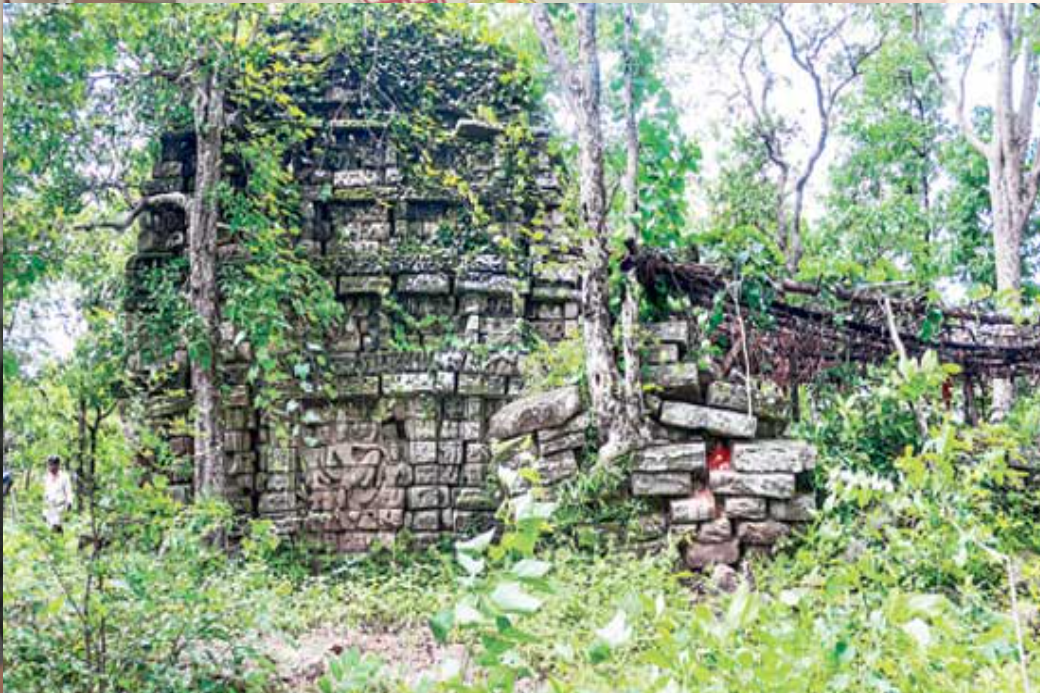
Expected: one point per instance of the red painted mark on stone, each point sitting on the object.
(720, 458)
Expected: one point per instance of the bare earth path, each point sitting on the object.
(408, 654)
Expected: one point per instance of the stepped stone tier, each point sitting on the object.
(422, 395)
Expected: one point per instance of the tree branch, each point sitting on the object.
(151, 202)
(957, 100)
(543, 24)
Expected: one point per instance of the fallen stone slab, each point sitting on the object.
(726, 424)
(777, 486)
(687, 457)
(666, 485)
(530, 414)
(768, 401)
(764, 456)
(699, 556)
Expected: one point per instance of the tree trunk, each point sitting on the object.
(1008, 232)
(617, 432)
(630, 307)
(581, 83)
(1012, 185)
(203, 215)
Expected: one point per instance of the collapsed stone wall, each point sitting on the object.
(422, 381)
(717, 473)
(438, 298)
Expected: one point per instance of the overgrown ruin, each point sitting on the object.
(446, 269)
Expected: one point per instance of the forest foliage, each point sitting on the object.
(922, 572)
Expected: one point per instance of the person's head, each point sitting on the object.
(54, 464)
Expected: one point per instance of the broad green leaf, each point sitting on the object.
(478, 544)
(617, 633)
(531, 569)
(511, 598)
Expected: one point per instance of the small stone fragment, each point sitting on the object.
(725, 578)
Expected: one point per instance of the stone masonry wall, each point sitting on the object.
(437, 307)
(402, 445)
(717, 474)
(418, 407)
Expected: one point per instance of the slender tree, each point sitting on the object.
(203, 215)
(193, 68)
(582, 91)
(633, 385)
(1010, 150)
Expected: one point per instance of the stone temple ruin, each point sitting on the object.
(425, 396)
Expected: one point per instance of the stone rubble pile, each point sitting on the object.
(718, 473)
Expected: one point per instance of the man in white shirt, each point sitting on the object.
(57, 495)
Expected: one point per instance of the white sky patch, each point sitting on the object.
(47, 326)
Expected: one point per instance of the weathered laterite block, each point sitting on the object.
(688, 457)
(702, 507)
(725, 424)
(678, 381)
(767, 401)
(779, 486)
(664, 484)
(531, 414)
(782, 456)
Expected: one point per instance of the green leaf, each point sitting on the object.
(617, 633)
(531, 569)
(472, 566)
(478, 544)
(511, 598)
(442, 624)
